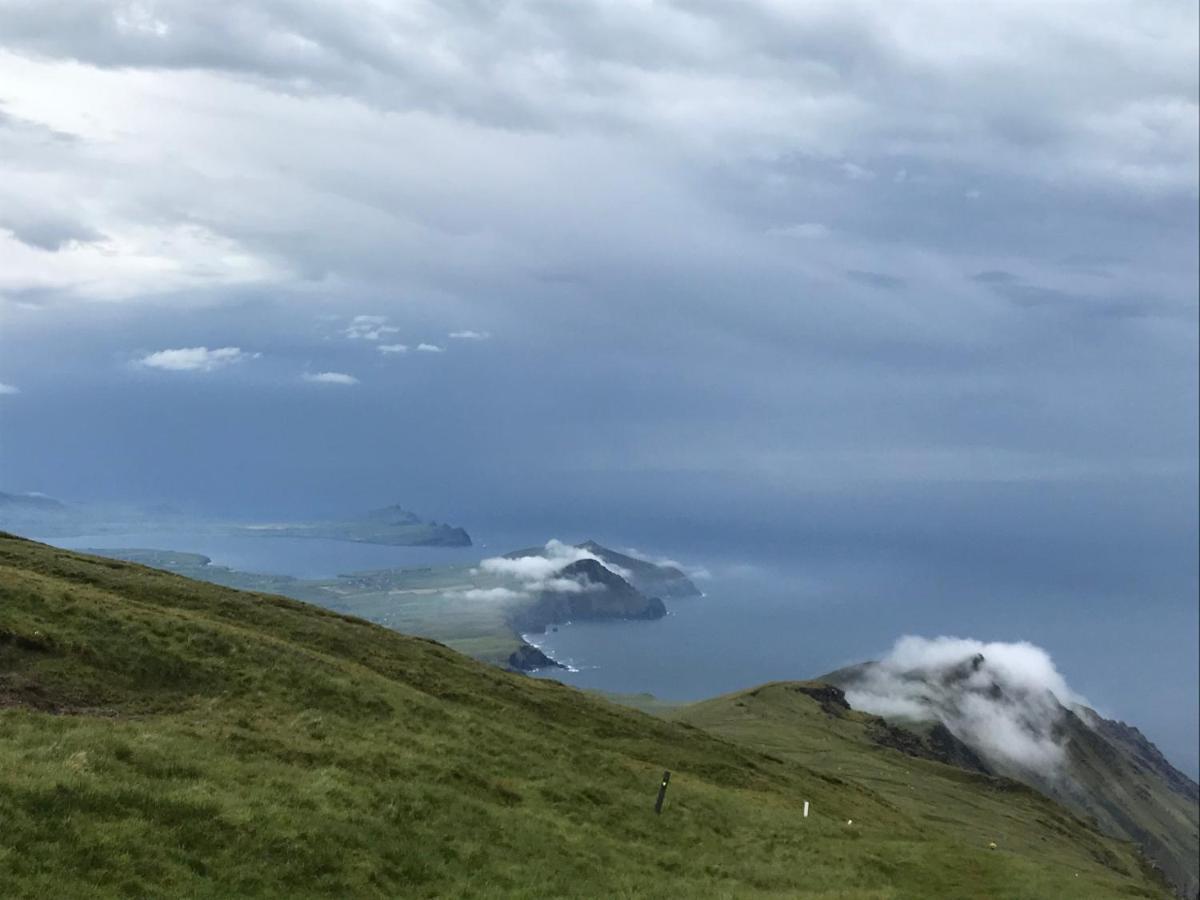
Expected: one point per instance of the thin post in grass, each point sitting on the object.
(662, 792)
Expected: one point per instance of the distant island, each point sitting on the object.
(392, 525)
(39, 515)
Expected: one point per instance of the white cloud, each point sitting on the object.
(430, 348)
(855, 172)
(195, 359)
(470, 335)
(130, 260)
(392, 348)
(489, 595)
(8, 389)
(540, 572)
(1003, 699)
(368, 328)
(330, 378)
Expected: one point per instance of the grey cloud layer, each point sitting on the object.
(1102, 89)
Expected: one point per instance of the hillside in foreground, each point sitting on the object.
(164, 737)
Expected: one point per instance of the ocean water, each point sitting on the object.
(792, 612)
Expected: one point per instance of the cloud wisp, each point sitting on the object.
(1005, 700)
(330, 378)
(8, 389)
(470, 335)
(541, 571)
(803, 230)
(195, 359)
(369, 328)
(430, 348)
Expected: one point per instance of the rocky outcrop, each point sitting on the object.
(832, 699)
(528, 658)
(937, 744)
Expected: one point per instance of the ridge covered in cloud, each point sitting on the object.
(1005, 700)
(538, 572)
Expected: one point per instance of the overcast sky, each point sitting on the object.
(926, 267)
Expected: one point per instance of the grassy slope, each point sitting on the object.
(164, 737)
(426, 602)
(953, 804)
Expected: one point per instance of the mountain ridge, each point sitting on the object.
(1110, 772)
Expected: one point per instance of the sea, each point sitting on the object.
(791, 612)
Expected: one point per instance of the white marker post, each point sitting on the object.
(806, 809)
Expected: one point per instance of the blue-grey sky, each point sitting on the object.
(918, 276)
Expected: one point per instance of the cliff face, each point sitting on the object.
(443, 536)
(601, 594)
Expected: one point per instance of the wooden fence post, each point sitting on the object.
(662, 792)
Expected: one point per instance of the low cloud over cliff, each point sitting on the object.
(1003, 699)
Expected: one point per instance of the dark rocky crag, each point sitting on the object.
(602, 594)
(528, 658)
(935, 743)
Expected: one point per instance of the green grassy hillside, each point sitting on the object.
(163, 737)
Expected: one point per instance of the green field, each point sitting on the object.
(163, 737)
(426, 602)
